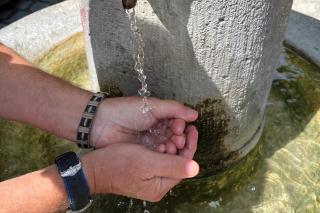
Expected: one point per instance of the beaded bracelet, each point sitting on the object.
(84, 128)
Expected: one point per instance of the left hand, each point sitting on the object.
(121, 120)
(134, 171)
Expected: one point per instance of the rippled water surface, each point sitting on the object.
(282, 174)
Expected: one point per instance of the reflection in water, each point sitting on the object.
(282, 174)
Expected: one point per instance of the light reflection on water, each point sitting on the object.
(282, 174)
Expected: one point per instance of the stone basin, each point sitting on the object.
(278, 176)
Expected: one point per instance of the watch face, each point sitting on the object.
(66, 160)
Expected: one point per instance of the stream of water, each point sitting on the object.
(138, 56)
(158, 133)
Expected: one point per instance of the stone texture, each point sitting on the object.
(34, 35)
(18, 9)
(304, 29)
(218, 56)
(49, 31)
(307, 7)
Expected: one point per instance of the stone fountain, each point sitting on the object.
(215, 56)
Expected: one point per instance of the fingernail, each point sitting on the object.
(192, 168)
(192, 113)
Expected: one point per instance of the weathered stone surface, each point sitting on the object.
(17, 9)
(32, 43)
(304, 28)
(216, 55)
(307, 7)
(34, 35)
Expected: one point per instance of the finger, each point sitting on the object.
(173, 166)
(171, 148)
(191, 142)
(163, 109)
(161, 148)
(177, 126)
(179, 140)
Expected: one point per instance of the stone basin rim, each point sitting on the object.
(58, 22)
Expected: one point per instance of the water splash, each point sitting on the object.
(157, 134)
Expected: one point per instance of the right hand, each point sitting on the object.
(133, 170)
(120, 120)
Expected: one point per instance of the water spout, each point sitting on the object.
(128, 4)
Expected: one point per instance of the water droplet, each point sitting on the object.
(252, 188)
(291, 101)
(283, 90)
(214, 204)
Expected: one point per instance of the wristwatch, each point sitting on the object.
(78, 192)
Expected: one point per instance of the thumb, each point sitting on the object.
(173, 166)
(167, 109)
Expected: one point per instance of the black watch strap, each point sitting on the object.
(78, 192)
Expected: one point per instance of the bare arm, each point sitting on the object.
(34, 97)
(124, 169)
(40, 191)
(31, 96)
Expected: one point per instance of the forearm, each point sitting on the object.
(40, 191)
(31, 96)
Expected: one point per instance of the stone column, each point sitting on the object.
(217, 56)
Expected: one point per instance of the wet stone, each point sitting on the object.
(212, 125)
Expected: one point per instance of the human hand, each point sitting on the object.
(121, 120)
(133, 170)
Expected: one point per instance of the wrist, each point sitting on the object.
(95, 165)
(88, 171)
(85, 137)
(67, 116)
(100, 126)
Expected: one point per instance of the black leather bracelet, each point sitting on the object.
(86, 121)
(78, 192)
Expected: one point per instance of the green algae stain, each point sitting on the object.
(213, 127)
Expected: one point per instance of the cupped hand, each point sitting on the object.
(122, 120)
(133, 170)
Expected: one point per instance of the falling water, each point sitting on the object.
(159, 132)
(138, 55)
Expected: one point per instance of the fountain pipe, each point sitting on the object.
(128, 4)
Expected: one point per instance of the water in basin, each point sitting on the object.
(282, 174)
